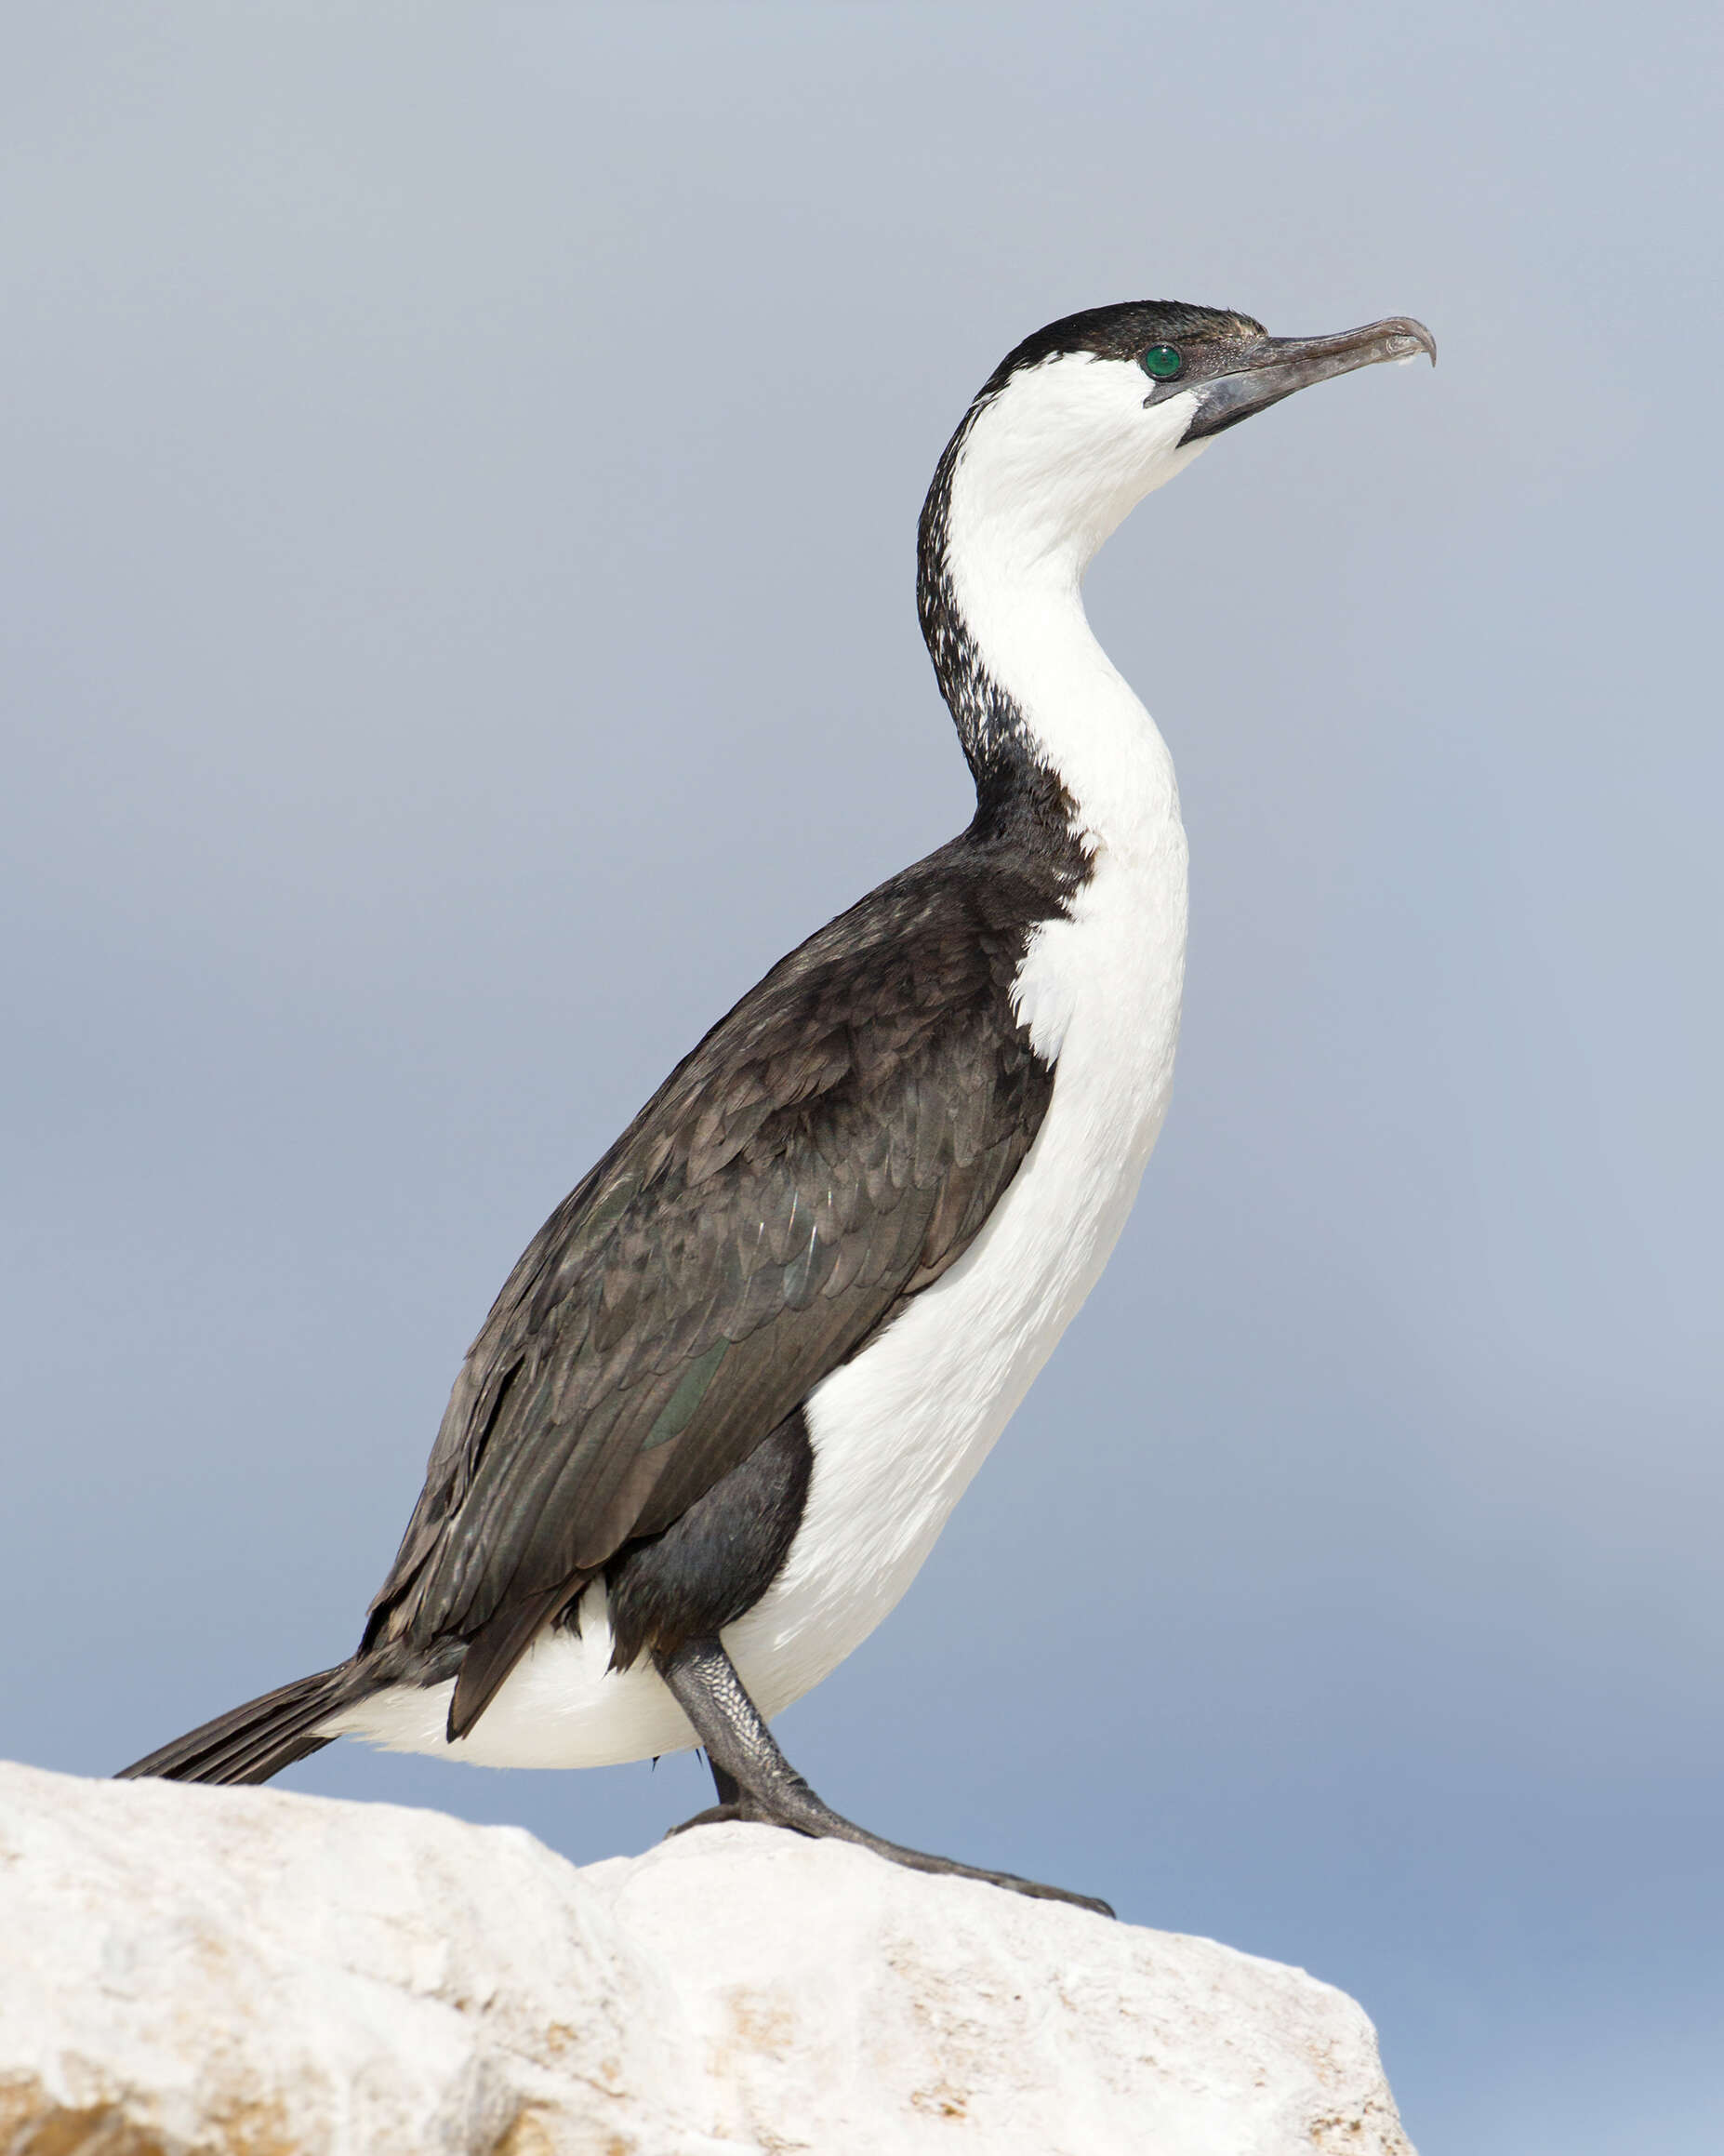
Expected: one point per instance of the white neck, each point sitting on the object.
(1038, 486)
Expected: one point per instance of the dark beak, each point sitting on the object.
(1274, 368)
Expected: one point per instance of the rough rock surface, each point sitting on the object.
(244, 1972)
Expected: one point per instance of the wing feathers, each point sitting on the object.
(494, 1650)
(833, 1145)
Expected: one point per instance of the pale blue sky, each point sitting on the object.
(460, 476)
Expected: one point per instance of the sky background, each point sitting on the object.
(459, 471)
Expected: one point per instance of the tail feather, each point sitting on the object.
(252, 1742)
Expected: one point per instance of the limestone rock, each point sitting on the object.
(188, 1972)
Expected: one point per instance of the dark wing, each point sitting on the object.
(832, 1147)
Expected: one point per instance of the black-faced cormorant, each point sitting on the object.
(727, 1399)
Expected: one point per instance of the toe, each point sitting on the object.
(715, 1816)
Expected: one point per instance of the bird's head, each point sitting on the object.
(1088, 415)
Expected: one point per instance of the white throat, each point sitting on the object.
(1047, 471)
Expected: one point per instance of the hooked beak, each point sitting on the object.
(1279, 365)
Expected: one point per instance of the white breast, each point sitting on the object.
(899, 1431)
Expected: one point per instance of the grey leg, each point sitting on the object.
(766, 1788)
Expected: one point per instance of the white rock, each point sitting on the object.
(244, 1972)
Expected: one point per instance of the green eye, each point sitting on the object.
(1161, 363)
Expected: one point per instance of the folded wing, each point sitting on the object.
(832, 1147)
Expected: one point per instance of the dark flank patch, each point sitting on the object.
(714, 1563)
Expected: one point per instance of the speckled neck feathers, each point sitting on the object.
(1064, 755)
(1017, 793)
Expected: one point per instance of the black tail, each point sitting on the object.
(250, 1743)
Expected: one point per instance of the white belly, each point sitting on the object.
(898, 1431)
